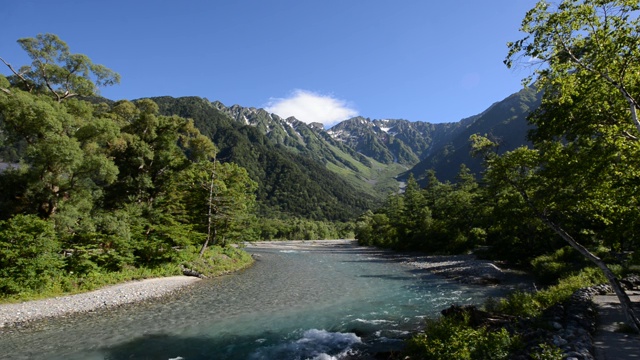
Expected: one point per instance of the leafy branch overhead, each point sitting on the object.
(56, 70)
(581, 45)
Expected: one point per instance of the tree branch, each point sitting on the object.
(633, 104)
(26, 83)
(46, 81)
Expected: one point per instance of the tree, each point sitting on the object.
(63, 152)
(217, 199)
(60, 72)
(587, 127)
(582, 46)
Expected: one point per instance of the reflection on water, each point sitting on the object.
(303, 302)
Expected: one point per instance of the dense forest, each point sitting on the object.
(97, 191)
(90, 189)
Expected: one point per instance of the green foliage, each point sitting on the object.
(303, 229)
(108, 188)
(217, 260)
(448, 338)
(527, 304)
(442, 218)
(4, 83)
(547, 352)
(30, 258)
(56, 70)
(548, 269)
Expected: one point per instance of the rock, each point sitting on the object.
(191, 272)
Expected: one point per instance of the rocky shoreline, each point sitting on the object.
(570, 326)
(111, 296)
(465, 269)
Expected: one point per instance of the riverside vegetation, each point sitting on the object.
(95, 194)
(566, 208)
(97, 191)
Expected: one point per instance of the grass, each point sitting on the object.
(532, 304)
(378, 180)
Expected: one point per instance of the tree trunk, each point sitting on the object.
(625, 302)
(210, 213)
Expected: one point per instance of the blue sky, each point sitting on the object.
(319, 60)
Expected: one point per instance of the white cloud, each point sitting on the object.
(311, 107)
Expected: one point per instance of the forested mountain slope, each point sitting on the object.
(504, 122)
(305, 170)
(289, 184)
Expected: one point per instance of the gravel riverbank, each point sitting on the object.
(465, 269)
(115, 295)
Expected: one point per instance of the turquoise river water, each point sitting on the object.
(310, 300)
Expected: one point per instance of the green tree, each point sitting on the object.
(587, 128)
(62, 155)
(29, 254)
(218, 200)
(416, 217)
(56, 70)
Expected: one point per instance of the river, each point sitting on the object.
(311, 300)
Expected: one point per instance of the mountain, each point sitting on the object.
(289, 183)
(504, 122)
(392, 140)
(298, 137)
(307, 171)
(303, 170)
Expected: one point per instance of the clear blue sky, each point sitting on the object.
(436, 61)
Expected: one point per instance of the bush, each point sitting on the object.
(548, 269)
(30, 257)
(448, 338)
(216, 260)
(547, 352)
(517, 303)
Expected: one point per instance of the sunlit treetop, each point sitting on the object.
(579, 45)
(56, 70)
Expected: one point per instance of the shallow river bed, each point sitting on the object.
(301, 300)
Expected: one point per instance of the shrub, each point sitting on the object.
(548, 269)
(530, 304)
(547, 352)
(30, 257)
(448, 338)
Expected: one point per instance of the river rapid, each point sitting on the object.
(300, 300)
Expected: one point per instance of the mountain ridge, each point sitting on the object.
(364, 158)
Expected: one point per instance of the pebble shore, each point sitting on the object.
(111, 296)
(464, 268)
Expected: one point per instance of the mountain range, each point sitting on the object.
(304, 170)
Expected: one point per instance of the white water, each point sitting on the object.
(311, 301)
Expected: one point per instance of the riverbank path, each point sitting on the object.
(610, 343)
